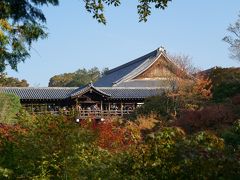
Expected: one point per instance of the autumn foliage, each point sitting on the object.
(7, 132)
(193, 94)
(210, 117)
(110, 135)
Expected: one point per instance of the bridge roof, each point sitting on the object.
(29, 93)
(39, 92)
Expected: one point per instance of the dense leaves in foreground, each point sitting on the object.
(47, 147)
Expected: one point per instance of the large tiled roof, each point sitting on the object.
(115, 75)
(131, 93)
(138, 83)
(120, 76)
(39, 93)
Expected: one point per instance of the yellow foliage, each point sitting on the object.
(141, 124)
(5, 25)
(147, 123)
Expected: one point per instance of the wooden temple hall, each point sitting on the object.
(118, 92)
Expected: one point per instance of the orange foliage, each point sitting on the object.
(193, 94)
(113, 137)
(202, 87)
(7, 131)
(110, 135)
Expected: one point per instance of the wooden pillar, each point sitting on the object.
(76, 102)
(101, 105)
(109, 108)
(121, 104)
(101, 108)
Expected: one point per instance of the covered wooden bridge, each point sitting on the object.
(119, 92)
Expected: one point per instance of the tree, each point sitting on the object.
(226, 83)
(23, 22)
(234, 39)
(184, 62)
(80, 77)
(11, 81)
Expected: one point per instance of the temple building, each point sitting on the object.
(119, 91)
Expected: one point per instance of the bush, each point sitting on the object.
(226, 83)
(171, 154)
(49, 148)
(161, 106)
(232, 135)
(210, 117)
(9, 107)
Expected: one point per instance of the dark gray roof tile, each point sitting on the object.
(159, 83)
(132, 93)
(119, 72)
(39, 93)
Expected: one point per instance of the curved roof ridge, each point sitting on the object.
(144, 57)
(136, 73)
(85, 88)
(38, 87)
(118, 87)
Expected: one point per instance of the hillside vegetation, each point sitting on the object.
(192, 133)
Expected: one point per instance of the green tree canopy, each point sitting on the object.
(6, 81)
(226, 82)
(78, 78)
(23, 22)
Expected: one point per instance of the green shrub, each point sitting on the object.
(171, 154)
(232, 135)
(9, 107)
(161, 106)
(226, 83)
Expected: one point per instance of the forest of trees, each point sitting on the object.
(78, 78)
(6, 81)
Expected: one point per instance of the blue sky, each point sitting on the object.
(193, 28)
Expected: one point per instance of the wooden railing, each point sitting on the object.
(102, 113)
(90, 113)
